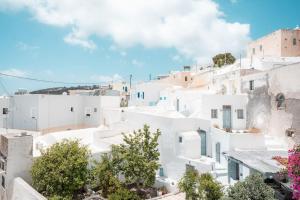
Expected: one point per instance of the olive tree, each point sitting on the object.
(61, 170)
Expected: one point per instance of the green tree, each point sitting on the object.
(61, 170)
(253, 188)
(222, 59)
(209, 188)
(103, 176)
(202, 187)
(123, 194)
(137, 159)
(189, 184)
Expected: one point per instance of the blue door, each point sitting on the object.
(203, 142)
(227, 117)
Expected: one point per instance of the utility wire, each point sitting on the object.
(48, 81)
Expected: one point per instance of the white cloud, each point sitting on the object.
(14, 72)
(103, 78)
(195, 28)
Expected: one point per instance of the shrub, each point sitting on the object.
(202, 187)
(294, 170)
(61, 170)
(252, 188)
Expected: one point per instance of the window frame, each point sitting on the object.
(214, 113)
(240, 113)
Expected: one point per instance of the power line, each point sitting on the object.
(49, 81)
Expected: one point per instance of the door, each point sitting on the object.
(218, 152)
(203, 142)
(227, 117)
(177, 105)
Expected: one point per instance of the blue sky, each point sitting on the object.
(65, 46)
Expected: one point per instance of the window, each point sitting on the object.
(180, 139)
(72, 109)
(253, 51)
(95, 109)
(160, 98)
(5, 111)
(165, 98)
(3, 182)
(161, 172)
(138, 95)
(240, 113)
(251, 85)
(185, 78)
(214, 113)
(294, 41)
(280, 100)
(143, 95)
(260, 47)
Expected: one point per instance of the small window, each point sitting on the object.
(161, 172)
(253, 51)
(72, 109)
(260, 47)
(95, 110)
(294, 42)
(138, 95)
(165, 98)
(280, 100)
(240, 113)
(5, 111)
(180, 139)
(185, 78)
(160, 98)
(143, 95)
(251, 85)
(214, 113)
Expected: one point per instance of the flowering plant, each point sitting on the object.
(294, 170)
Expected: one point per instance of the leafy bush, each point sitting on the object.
(202, 187)
(252, 188)
(61, 170)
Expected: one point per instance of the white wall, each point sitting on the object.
(4, 103)
(217, 101)
(23, 191)
(232, 141)
(151, 92)
(53, 112)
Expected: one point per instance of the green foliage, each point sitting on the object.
(61, 170)
(202, 187)
(253, 188)
(209, 188)
(222, 59)
(104, 176)
(137, 159)
(57, 197)
(123, 194)
(189, 183)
